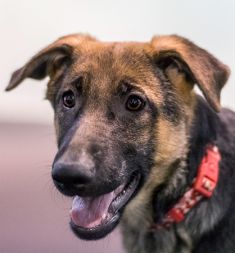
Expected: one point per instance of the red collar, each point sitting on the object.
(203, 187)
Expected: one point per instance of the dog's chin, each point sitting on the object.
(93, 218)
(97, 232)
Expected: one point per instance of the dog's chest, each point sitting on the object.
(162, 241)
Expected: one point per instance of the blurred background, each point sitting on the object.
(33, 215)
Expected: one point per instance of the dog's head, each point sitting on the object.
(122, 113)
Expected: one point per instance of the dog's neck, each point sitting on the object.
(202, 133)
(199, 220)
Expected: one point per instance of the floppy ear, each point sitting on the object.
(200, 66)
(48, 60)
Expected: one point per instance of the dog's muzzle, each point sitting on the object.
(93, 215)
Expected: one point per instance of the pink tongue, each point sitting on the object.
(89, 212)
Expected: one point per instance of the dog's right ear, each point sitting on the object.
(196, 63)
(48, 60)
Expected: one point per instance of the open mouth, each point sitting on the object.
(94, 217)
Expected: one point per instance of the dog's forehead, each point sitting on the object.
(95, 48)
(112, 60)
(108, 64)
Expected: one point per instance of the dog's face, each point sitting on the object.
(122, 114)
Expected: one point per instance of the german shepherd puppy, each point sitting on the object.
(131, 135)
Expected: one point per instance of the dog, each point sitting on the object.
(137, 145)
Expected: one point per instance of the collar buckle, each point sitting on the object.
(208, 173)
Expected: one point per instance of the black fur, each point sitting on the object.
(170, 108)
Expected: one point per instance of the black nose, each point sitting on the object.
(72, 178)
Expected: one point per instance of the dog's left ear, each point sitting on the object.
(48, 60)
(200, 66)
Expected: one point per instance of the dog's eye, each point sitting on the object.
(69, 99)
(134, 103)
